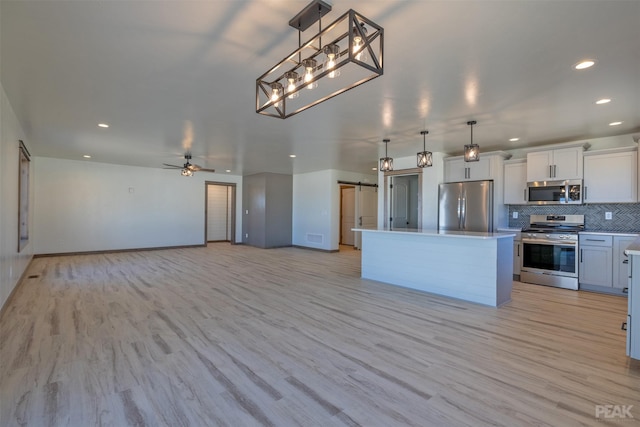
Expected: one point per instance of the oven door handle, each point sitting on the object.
(550, 242)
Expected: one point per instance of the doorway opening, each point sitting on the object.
(358, 208)
(403, 199)
(220, 212)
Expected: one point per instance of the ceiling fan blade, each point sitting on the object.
(206, 170)
(173, 166)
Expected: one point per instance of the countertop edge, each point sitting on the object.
(435, 233)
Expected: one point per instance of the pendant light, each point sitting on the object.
(386, 162)
(425, 158)
(471, 151)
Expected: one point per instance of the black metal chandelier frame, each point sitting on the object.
(277, 89)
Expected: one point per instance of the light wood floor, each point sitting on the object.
(238, 336)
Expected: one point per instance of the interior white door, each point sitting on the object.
(399, 202)
(347, 215)
(217, 213)
(366, 210)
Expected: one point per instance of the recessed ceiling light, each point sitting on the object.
(584, 64)
(615, 123)
(228, 170)
(603, 101)
(86, 156)
(514, 139)
(103, 125)
(374, 169)
(292, 155)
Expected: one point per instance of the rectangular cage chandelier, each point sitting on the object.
(345, 54)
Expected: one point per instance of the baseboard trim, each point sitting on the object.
(23, 276)
(113, 251)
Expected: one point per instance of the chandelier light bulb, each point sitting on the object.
(309, 65)
(358, 44)
(276, 89)
(332, 51)
(292, 78)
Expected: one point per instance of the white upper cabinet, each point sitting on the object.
(515, 182)
(456, 169)
(556, 165)
(611, 176)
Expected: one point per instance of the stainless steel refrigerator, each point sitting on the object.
(465, 206)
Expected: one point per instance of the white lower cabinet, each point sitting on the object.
(621, 261)
(603, 265)
(596, 261)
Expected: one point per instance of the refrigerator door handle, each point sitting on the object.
(459, 212)
(464, 211)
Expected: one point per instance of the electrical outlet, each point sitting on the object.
(608, 215)
(515, 215)
(246, 235)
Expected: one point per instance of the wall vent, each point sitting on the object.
(315, 238)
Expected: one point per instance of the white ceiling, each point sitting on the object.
(170, 75)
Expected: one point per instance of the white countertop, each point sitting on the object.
(436, 233)
(633, 248)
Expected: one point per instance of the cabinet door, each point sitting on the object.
(611, 178)
(455, 170)
(621, 261)
(538, 165)
(595, 265)
(567, 163)
(515, 183)
(479, 170)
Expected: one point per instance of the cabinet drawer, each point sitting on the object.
(595, 240)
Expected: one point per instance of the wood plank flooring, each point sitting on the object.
(237, 336)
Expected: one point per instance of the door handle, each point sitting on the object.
(555, 170)
(360, 221)
(626, 261)
(625, 290)
(580, 255)
(518, 249)
(524, 194)
(585, 193)
(550, 171)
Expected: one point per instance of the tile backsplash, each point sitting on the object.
(625, 216)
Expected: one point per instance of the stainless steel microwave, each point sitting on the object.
(554, 192)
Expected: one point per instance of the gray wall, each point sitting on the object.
(268, 198)
(625, 216)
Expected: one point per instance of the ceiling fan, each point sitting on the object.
(188, 169)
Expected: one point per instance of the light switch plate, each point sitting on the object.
(608, 215)
(515, 215)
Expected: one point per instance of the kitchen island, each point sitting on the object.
(470, 266)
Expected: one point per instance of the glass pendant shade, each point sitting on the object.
(471, 151)
(386, 162)
(292, 81)
(425, 158)
(332, 51)
(186, 172)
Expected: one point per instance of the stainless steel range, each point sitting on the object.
(550, 250)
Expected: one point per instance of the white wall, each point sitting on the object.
(431, 178)
(316, 207)
(86, 206)
(12, 263)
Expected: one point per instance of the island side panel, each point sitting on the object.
(458, 267)
(505, 271)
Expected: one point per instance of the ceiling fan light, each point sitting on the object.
(186, 172)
